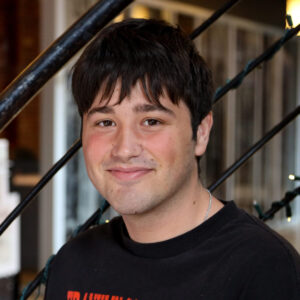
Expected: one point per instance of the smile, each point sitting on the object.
(129, 174)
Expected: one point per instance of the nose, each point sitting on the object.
(126, 144)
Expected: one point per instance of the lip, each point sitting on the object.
(129, 174)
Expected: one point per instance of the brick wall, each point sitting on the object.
(19, 45)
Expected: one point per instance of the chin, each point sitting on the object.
(134, 205)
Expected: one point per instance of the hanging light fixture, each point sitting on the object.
(293, 10)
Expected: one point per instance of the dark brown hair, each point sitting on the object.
(159, 55)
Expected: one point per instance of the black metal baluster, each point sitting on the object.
(31, 80)
(255, 148)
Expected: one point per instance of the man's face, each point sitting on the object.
(138, 155)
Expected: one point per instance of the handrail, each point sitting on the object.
(276, 206)
(38, 279)
(255, 148)
(215, 16)
(251, 65)
(231, 85)
(236, 81)
(31, 80)
(44, 180)
(75, 147)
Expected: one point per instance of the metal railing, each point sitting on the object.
(32, 79)
(7, 96)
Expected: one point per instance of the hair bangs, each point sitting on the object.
(154, 83)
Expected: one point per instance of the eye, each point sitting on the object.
(151, 122)
(106, 123)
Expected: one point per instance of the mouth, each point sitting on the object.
(129, 174)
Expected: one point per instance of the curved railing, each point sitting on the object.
(32, 79)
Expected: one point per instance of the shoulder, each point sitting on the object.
(78, 257)
(265, 253)
(260, 236)
(249, 239)
(252, 231)
(96, 239)
(275, 268)
(264, 261)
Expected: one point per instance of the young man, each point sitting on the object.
(144, 95)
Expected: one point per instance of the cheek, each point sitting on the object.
(174, 149)
(162, 147)
(94, 148)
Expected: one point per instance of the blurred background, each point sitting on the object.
(49, 125)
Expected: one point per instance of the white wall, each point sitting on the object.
(52, 203)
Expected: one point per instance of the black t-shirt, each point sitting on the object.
(230, 256)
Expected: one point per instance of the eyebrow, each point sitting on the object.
(152, 107)
(138, 108)
(102, 109)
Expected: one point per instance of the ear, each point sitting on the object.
(203, 132)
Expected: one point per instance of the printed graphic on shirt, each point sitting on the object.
(74, 295)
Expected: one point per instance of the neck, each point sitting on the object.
(174, 218)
